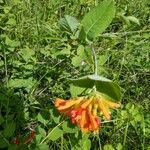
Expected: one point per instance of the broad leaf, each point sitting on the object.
(133, 19)
(43, 147)
(9, 129)
(98, 19)
(43, 117)
(19, 83)
(103, 85)
(75, 91)
(69, 128)
(76, 61)
(85, 143)
(108, 147)
(55, 133)
(41, 131)
(68, 23)
(27, 54)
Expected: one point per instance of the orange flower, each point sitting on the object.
(83, 110)
(104, 106)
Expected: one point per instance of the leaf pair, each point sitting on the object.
(94, 23)
(102, 84)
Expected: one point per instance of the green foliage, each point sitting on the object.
(41, 49)
(55, 134)
(9, 129)
(98, 19)
(102, 85)
(68, 23)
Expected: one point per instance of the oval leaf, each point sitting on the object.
(98, 19)
(55, 134)
(102, 84)
(68, 23)
(133, 19)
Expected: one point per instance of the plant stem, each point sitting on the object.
(95, 60)
(62, 142)
(125, 134)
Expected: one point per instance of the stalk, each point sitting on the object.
(95, 60)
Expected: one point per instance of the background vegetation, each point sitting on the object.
(37, 57)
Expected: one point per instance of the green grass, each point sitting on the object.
(33, 74)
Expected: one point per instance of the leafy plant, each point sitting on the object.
(43, 48)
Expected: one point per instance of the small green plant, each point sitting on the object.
(46, 53)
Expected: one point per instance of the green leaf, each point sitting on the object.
(11, 21)
(41, 131)
(43, 117)
(18, 83)
(13, 147)
(82, 34)
(38, 138)
(1, 63)
(98, 19)
(133, 19)
(102, 60)
(7, 9)
(80, 51)
(18, 147)
(68, 23)
(102, 84)
(27, 54)
(1, 119)
(75, 90)
(119, 146)
(66, 51)
(76, 61)
(54, 115)
(11, 43)
(68, 127)
(3, 143)
(86, 144)
(43, 147)
(55, 133)
(9, 129)
(108, 147)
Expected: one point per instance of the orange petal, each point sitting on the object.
(85, 130)
(83, 117)
(104, 109)
(69, 104)
(95, 109)
(94, 123)
(90, 108)
(86, 103)
(112, 104)
(59, 102)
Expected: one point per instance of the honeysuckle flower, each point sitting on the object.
(83, 111)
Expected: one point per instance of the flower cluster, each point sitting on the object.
(83, 110)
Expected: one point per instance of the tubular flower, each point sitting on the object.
(83, 111)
